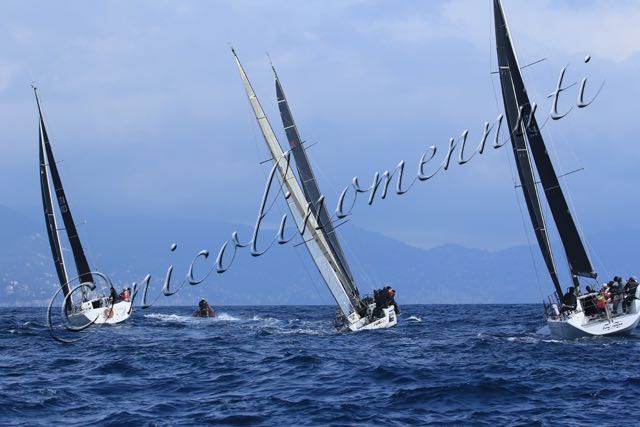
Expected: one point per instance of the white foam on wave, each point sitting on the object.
(524, 340)
(180, 318)
(301, 331)
(257, 318)
(226, 317)
(415, 319)
(168, 317)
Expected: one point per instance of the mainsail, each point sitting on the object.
(52, 226)
(47, 159)
(316, 242)
(310, 187)
(522, 123)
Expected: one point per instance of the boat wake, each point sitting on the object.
(521, 339)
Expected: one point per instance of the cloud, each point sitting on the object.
(606, 29)
(146, 109)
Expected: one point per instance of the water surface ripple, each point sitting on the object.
(442, 365)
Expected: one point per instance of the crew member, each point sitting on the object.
(203, 305)
(392, 301)
(589, 302)
(630, 294)
(569, 300)
(616, 293)
(380, 297)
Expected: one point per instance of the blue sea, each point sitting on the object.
(442, 365)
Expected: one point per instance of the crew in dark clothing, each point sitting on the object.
(589, 302)
(569, 300)
(114, 295)
(620, 281)
(392, 300)
(630, 294)
(381, 298)
(203, 305)
(616, 294)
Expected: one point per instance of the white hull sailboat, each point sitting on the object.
(306, 205)
(100, 311)
(578, 325)
(565, 322)
(96, 310)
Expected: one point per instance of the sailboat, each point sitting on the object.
(529, 150)
(303, 197)
(80, 308)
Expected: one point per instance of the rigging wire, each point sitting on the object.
(352, 254)
(565, 184)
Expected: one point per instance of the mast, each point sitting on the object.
(82, 266)
(51, 224)
(315, 242)
(310, 187)
(577, 257)
(512, 85)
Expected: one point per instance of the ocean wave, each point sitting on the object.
(288, 366)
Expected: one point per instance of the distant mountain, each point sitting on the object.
(127, 249)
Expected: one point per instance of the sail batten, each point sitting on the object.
(520, 115)
(316, 243)
(311, 189)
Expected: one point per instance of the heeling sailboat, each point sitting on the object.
(96, 310)
(528, 144)
(319, 235)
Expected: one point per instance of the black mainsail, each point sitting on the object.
(527, 142)
(47, 159)
(52, 227)
(311, 190)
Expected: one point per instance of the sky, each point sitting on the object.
(147, 114)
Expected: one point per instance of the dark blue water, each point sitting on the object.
(442, 365)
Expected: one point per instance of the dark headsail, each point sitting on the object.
(518, 107)
(310, 188)
(82, 266)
